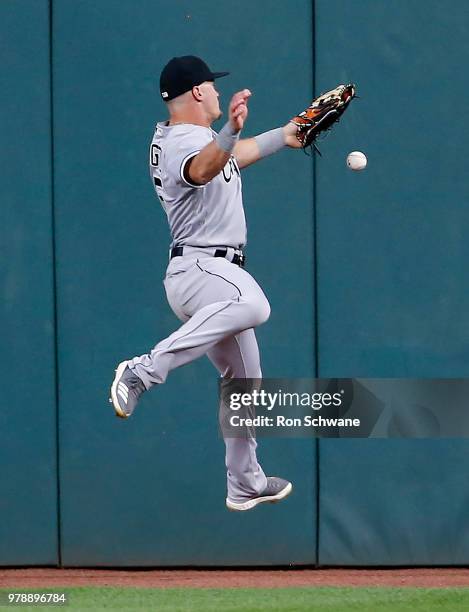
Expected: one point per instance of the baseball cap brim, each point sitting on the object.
(217, 75)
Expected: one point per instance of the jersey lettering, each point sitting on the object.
(231, 167)
(155, 154)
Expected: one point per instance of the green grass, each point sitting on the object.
(256, 600)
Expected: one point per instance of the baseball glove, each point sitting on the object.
(322, 113)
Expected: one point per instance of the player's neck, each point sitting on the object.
(194, 118)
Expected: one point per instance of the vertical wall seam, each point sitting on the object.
(54, 275)
(315, 216)
(315, 286)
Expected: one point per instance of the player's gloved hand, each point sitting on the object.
(289, 133)
(238, 109)
(321, 114)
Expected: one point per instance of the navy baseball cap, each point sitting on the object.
(181, 74)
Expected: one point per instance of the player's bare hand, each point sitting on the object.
(289, 133)
(238, 109)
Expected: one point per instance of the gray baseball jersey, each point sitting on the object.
(204, 215)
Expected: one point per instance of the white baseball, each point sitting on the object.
(356, 160)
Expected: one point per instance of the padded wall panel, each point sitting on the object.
(28, 489)
(151, 490)
(393, 294)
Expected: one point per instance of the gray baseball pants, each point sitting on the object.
(219, 304)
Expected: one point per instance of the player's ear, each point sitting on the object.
(197, 93)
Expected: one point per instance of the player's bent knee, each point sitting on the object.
(265, 313)
(261, 312)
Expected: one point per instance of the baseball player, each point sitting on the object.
(196, 175)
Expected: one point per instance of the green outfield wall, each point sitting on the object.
(392, 291)
(28, 433)
(152, 490)
(365, 273)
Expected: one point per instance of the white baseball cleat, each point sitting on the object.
(276, 490)
(126, 390)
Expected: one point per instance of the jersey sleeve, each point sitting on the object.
(184, 148)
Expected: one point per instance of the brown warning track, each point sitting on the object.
(51, 577)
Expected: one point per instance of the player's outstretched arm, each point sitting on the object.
(212, 159)
(246, 152)
(250, 150)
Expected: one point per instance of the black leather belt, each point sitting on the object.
(238, 260)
